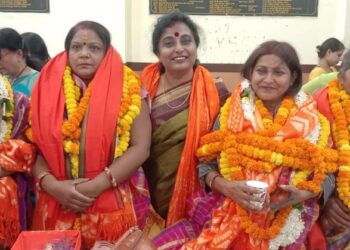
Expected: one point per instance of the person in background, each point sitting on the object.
(16, 157)
(93, 132)
(329, 54)
(333, 102)
(13, 61)
(184, 101)
(38, 54)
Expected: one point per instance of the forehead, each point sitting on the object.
(271, 61)
(178, 27)
(86, 36)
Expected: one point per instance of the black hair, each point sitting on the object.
(167, 21)
(100, 30)
(38, 55)
(10, 39)
(331, 43)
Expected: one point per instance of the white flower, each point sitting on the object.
(3, 129)
(300, 98)
(290, 232)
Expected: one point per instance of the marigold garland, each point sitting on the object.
(130, 107)
(261, 152)
(340, 107)
(8, 116)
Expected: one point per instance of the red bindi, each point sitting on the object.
(176, 34)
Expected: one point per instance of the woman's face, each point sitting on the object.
(85, 54)
(333, 57)
(271, 79)
(177, 48)
(345, 80)
(9, 61)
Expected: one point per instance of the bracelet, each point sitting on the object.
(211, 182)
(111, 177)
(40, 178)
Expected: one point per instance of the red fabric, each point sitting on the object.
(316, 239)
(321, 97)
(48, 104)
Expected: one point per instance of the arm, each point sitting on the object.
(123, 167)
(63, 191)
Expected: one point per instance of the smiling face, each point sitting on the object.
(177, 48)
(86, 52)
(271, 79)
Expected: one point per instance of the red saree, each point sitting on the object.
(106, 219)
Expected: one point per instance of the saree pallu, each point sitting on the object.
(161, 167)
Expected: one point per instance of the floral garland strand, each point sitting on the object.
(71, 127)
(129, 110)
(7, 117)
(340, 107)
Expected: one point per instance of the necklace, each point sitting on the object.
(19, 74)
(167, 101)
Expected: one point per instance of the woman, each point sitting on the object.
(267, 132)
(16, 156)
(184, 101)
(93, 132)
(13, 56)
(38, 55)
(333, 101)
(329, 54)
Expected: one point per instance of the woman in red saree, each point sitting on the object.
(333, 102)
(16, 157)
(93, 132)
(269, 131)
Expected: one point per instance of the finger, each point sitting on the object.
(82, 198)
(80, 180)
(73, 208)
(288, 188)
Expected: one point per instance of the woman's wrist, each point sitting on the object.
(47, 183)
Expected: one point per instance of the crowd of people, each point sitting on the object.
(162, 160)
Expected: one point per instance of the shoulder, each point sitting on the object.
(316, 72)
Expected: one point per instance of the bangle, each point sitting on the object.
(111, 177)
(211, 182)
(40, 178)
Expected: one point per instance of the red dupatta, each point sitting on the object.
(204, 106)
(48, 104)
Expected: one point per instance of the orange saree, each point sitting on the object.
(109, 217)
(231, 226)
(203, 108)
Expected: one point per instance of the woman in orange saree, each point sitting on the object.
(269, 131)
(93, 132)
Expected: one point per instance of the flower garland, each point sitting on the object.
(6, 94)
(71, 127)
(339, 102)
(129, 108)
(261, 152)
